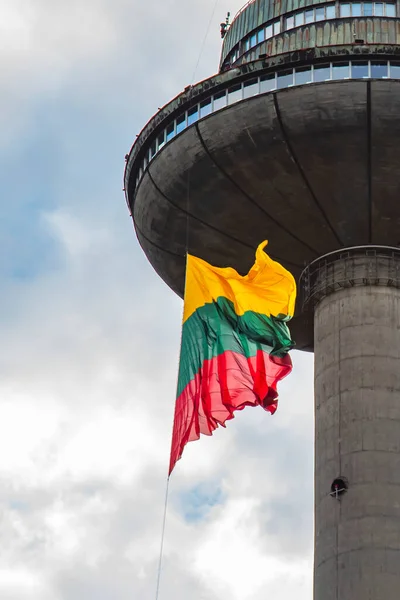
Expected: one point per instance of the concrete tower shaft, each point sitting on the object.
(357, 423)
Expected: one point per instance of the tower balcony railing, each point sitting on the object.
(257, 85)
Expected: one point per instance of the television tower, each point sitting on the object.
(296, 140)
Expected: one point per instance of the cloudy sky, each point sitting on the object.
(90, 338)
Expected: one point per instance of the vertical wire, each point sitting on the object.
(204, 40)
(162, 539)
(160, 560)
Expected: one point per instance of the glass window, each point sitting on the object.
(180, 123)
(285, 78)
(330, 12)
(170, 131)
(253, 40)
(309, 15)
(219, 100)
(299, 19)
(161, 140)
(395, 70)
(145, 162)
(320, 13)
(261, 36)
(359, 70)
(368, 9)
(390, 10)
(277, 27)
(152, 150)
(289, 22)
(193, 115)
(235, 93)
(302, 75)
(378, 9)
(345, 10)
(267, 83)
(340, 70)
(322, 72)
(205, 107)
(356, 9)
(379, 70)
(268, 32)
(250, 88)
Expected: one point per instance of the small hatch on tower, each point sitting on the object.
(339, 487)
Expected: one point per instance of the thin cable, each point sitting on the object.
(167, 488)
(162, 539)
(204, 40)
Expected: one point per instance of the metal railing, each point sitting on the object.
(349, 267)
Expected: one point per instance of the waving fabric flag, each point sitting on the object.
(235, 344)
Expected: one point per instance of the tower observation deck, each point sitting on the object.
(295, 140)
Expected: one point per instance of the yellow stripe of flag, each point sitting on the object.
(268, 288)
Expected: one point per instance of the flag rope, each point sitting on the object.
(187, 241)
(162, 539)
(204, 40)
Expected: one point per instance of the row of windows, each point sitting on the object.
(367, 9)
(302, 17)
(312, 15)
(267, 83)
(356, 9)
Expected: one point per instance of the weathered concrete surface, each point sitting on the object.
(357, 422)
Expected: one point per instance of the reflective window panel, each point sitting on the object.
(235, 93)
(205, 107)
(322, 72)
(193, 115)
(268, 32)
(152, 150)
(180, 123)
(345, 10)
(359, 70)
(285, 78)
(299, 19)
(302, 75)
(161, 140)
(379, 70)
(395, 70)
(356, 9)
(267, 83)
(253, 40)
(340, 70)
(170, 131)
(219, 100)
(250, 88)
(289, 22)
(330, 12)
(277, 27)
(309, 14)
(261, 36)
(320, 14)
(390, 10)
(368, 9)
(378, 9)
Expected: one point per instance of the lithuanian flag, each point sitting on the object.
(235, 344)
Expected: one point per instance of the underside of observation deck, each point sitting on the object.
(311, 168)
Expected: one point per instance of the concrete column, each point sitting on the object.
(357, 433)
